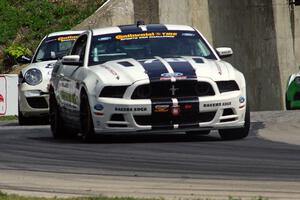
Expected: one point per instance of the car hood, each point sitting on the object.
(128, 71)
(45, 67)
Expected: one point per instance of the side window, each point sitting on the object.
(79, 47)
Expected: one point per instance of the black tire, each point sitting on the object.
(287, 103)
(86, 120)
(24, 120)
(195, 133)
(237, 133)
(56, 123)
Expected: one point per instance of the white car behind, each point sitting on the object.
(34, 79)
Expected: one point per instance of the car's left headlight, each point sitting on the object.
(33, 76)
(297, 80)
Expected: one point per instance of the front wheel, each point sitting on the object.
(86, 120)
(56, 123)
(237, 133)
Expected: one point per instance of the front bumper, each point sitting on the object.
(202, 113)
(33, 101)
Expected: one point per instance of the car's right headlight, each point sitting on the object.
(33, 76)
(297, 80)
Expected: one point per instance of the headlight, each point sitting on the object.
(33, 76)
(113, 91)
(297, 80)
(227, 86)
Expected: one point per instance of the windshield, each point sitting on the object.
(146, 45)
(54, 48)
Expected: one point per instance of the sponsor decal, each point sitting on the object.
(71, 98)
(67, 38)
(148, 35)
(176, 75)
(113, 72)
(161, 108)
(1, 98)
(210, 105)
(3, 95)
(175, 110)
(99, 107)
(219, 69)
(242, 99)
(136, 109)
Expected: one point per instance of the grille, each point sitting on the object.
(167, 89)
(37, 102)
(117, 117)
(228, 111)
(167, 119)
(297, 96)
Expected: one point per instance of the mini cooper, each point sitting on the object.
(292, 101)
(147, 78)
(33, 79)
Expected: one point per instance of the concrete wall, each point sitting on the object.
(189, 12)
(284, 27)
(248, 27)
(295, 20)
(262, 33)
(112, 13)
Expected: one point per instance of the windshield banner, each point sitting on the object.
(132, 36)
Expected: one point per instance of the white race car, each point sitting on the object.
(147, 78)
(34, 79)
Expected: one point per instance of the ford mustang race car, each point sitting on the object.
(147, 78)
(293, 92)
(33, 79)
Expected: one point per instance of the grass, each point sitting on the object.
(25, 22)
(4, 196)
(7, 118)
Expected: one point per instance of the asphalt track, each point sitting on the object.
(173, 166)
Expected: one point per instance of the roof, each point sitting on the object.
(142, 28)
(65, 33)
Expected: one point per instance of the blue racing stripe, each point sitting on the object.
(183, 67)
(154, 69)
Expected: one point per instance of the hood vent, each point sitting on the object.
(126, 64)
(198, 60)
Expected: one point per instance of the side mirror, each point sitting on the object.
(71, 60)
(224, 52)
(24, 60)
